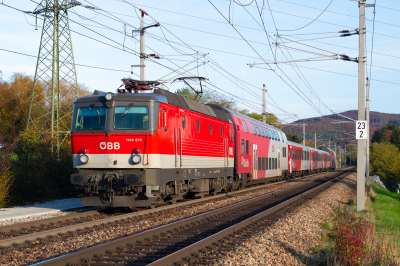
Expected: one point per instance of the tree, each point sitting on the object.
(377, 137)
(15, 96)
(293, 138)
(384, 161)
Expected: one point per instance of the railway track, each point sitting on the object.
(189, 237)
(25, 233)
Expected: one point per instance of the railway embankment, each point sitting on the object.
(313, 233)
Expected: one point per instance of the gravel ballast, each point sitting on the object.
(296, 233)
(59, 245)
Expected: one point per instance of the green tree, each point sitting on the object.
(294, 138)
(384, 161)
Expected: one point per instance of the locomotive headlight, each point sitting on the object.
(109, 96)
(136, 159)
(84, 158)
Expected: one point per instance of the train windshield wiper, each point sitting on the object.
(95, 107)
(127, 109)
(97, 110)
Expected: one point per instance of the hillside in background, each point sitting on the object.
(335, 132)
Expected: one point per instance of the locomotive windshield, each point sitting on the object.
(92, 117)
(131, 117)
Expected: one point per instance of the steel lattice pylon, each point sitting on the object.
(55, 75)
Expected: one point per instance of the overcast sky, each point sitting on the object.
(193, 28)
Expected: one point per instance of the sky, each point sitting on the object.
(217, 39)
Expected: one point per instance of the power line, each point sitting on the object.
(334, 12)
(309, 86)
(312, 20)
(216, 21)
(259, 55)
(349, 75)
(34, 56)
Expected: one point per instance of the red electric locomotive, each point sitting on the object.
(142, 149)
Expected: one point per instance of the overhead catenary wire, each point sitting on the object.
(261, 57)
(312, 20)
(216, 21)
(263, 27)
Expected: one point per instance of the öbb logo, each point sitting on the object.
(109, 145)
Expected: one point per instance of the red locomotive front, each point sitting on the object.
(138, 149)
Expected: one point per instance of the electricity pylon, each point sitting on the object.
(55, 66)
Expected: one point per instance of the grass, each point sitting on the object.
(382, 210)
(384, 207)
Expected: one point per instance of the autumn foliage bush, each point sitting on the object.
(30, 170)
(358, 244)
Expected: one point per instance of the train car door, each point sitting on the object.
(279, 162)
(255, 159)
(181, 123)
(226, 146)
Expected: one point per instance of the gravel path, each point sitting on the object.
(57, 245)
(296, 233)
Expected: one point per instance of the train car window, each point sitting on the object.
(277, 134)
(266, 163)
(259, 163)
(242, 144)
(231, 134)
(283, 139)
(89, 118)
(258, 130)
(308, 156)
(270, 161)
(247, 147)
(245, 126)
(131, 117)
(276, 163)
(198, 125)
(273, 134)
(221, 131)
(263, 163)
(262, 132)
(210, 129)
(265, 132)
(254, 129)
(183, 122)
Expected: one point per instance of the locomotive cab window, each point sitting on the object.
(131, 117)
(198, 125)
(183, 122)
(221, 131)
(89, 118)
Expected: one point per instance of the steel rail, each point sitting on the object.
(85, 254)
(48, 221)
(191, 250)
(6, 242)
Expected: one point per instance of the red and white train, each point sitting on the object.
(143, 149)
